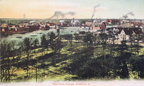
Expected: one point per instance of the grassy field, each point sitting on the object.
(76, 62)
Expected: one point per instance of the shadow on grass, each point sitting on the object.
(85, 66)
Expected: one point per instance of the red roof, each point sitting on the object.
(138, 30)
(129, 31)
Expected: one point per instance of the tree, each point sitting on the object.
(52, 38)
(132, 39)
(137, 43)
(138, 64)
(44, 42)
(12, 54)
(5, 60)
(20, 48)
(88, 39)
(103, 37)
(123, 59)
(2, 21)
(56, 45)
(35, 43)
(68, 37)
(77, 37)
(27, 47)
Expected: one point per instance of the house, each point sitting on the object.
(88, 23)
(96, 22)
(123, 36)
(63, 23)
(137, 31)
(113, 21)
(25, 24)
(103, 25)
(32, 22)
(75, 22)
(127, 33)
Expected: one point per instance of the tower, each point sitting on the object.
(24, 16)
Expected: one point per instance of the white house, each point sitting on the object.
(75, 22)
(62, 22)
(123, 36)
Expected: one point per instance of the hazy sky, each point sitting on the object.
(82, 8)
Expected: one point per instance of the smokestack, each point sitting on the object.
(61, 14)
(73, 19)
(71, 13)
(126, 16)
(94, 10)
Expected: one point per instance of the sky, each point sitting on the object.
(43, 9)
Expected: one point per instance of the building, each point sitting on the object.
(75, 22)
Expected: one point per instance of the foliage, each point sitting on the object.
(138, 64)
(44, 42)
(88, 39)
(99, 61)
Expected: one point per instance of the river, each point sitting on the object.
(38, 34)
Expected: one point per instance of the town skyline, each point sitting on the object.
(82, 9)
